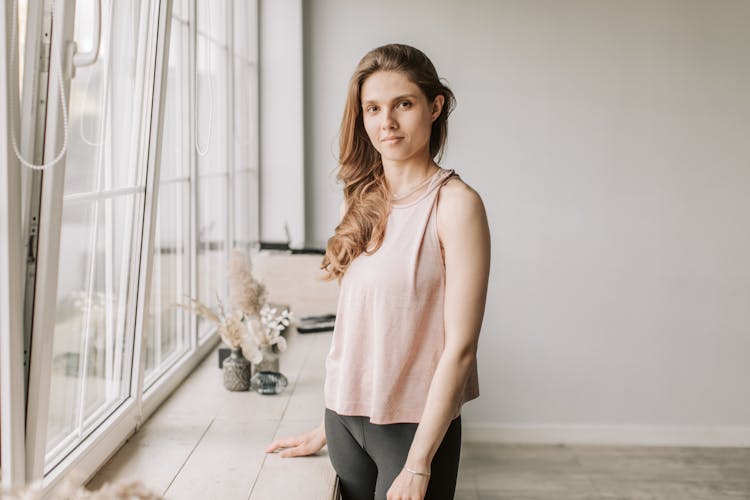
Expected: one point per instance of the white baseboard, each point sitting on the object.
(731, 437)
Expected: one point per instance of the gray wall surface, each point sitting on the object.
(610, 142)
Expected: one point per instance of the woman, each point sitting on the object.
(412, 254)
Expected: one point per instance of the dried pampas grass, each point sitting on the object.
(246, 294)
(250, 323)
(201, 309)
(68, 490)
(231, 330)
(229, 325)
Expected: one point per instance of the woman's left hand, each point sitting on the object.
(408, 486)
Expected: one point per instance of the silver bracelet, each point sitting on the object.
(426, 474)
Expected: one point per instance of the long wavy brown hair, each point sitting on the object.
(366, 196)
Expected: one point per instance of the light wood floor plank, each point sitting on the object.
(309, 477)
(156, 454)
(226, 462)
(541, 472)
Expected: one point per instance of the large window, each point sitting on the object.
(101, 224)
(208, 169)
(213, 158)
(154, 189)
(168, 333)
(244, 135)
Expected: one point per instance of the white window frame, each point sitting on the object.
(105, 439)
(11, 305)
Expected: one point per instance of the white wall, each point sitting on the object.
(610, 142)
(282, 199)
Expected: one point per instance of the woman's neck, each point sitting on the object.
(402, 178)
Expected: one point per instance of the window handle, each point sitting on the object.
(81, 59)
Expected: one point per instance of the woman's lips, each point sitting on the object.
(395, 140)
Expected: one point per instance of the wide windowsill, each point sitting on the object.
(207, 442)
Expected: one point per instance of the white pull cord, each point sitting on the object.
(14, 101)
(203, 152)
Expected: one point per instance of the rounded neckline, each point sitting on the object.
(427, 191)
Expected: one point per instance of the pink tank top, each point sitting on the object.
(389, 331)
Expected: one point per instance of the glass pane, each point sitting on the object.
(245, 208)
(212, 159)
(245, 107)
(245, 18)
(211, 126)
(212, 18)
(212, 234)
(167, 328)
(245, 182)
(92, 339)
(179, 9)
(98, 146)
(245, 114)
(23, 8)
(174, 149)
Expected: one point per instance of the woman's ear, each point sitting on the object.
(437, 106)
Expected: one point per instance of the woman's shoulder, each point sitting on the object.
(457, 194)
(459, 210)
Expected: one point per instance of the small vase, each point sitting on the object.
(268, 383)
(269, 361)
(237, 371)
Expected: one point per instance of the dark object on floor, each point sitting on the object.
(274, 245)
(224, 353)
(284, 246)
(309, 250)
(313, 324)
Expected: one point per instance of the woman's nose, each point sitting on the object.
(389, 120)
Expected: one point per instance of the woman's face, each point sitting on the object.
(397, 116)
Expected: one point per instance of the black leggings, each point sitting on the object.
(367, 457)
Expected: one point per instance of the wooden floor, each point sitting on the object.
(539, 472)
(206, 442)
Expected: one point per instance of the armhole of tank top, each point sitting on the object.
(434, 222)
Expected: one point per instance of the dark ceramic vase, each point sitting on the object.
(237, 371)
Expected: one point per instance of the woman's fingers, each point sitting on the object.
(286, 442)
(299, 445)
(297, 451)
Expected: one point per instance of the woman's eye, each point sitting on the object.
(407, 103)
(372, 108)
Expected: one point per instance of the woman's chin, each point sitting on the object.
(395, 157)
